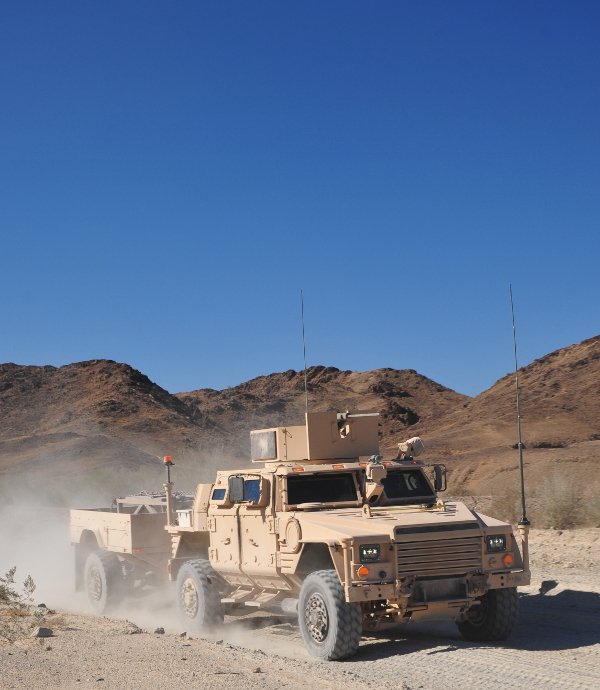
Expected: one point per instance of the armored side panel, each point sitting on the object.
(326, 441)
(200, 507)
(323, 438)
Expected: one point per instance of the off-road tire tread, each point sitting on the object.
(213, 611)
(113, 574)
(503, 614)
(349, 616)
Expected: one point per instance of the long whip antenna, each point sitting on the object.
(524, 520)
(304, 351)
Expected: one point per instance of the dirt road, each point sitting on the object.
(555, 645)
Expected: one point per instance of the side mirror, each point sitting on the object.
(236, 489)
(439, 477)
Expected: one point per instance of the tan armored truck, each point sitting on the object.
(323, 528)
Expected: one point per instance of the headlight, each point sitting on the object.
(496, 542)
(369, 553)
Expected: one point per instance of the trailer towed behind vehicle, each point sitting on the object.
(321, 527)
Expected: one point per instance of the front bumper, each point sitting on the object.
(412, 592)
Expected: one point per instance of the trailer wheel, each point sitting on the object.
(104, 582)
(198, 598)
(331, 628)
(494, 618)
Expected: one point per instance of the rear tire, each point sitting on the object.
(198, 599)
(331, 628)
(104, 582)
(494, 619)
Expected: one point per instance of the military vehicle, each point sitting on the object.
(321, 527)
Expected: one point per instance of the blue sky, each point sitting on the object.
(173, 173)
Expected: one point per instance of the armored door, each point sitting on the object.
(258, 538)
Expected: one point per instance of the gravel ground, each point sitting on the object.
(556, 643)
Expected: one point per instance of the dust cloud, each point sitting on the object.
(36, 541)
(34, 537)
(34, 526)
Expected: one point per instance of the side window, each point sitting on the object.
(252, 490)
(219, 497)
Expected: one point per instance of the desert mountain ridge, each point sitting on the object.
(74, 419)
(403, 398)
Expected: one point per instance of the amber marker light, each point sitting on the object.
(508, 560)
(338, 467)
(298, 469)
(363, 571)
(168, 464)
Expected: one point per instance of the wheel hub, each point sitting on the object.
(189, 598)
(95, 584)
(477, 614)
(316, 617)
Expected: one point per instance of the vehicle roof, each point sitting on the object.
(284, 468)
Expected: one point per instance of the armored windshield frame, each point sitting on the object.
(330, 504)
(408, 500)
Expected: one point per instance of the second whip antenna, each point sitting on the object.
(524, 519)
(304, 350)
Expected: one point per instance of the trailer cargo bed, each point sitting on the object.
(122, 533)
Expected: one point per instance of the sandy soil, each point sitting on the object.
(556, 643)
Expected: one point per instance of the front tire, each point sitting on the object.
(331, 628)
(104, 582)
(494, 618)
(198, 599)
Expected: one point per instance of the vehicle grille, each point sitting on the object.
(439, 557)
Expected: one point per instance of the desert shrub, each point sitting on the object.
(458, 484)
(506, 507)
(458, 489)
(14, 605)
(560, 502)
(594, 507)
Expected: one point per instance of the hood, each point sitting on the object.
(345, 523)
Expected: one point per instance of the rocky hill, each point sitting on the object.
(86, 414)
(560, 414)
(404, 399)
(94, 422)
(101, 415)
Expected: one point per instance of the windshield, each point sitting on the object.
(406, 484)
(321, 488)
